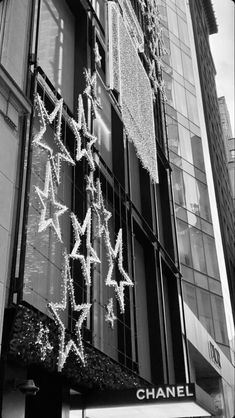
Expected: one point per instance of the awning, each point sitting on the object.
(165, 401)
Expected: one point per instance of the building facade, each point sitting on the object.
(229, 141)
(112, 299)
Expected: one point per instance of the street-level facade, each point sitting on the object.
(98, 317)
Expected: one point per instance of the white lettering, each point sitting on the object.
(160, 392)
(188, 393)
(180, 391)
(170, 392)
(140, 394)
(150, 393)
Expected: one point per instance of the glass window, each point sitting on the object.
(191, 193)
(56, 47)
(180, 4)
(201, 280)
(180, 98)
(178, 186)
(185, 144)
(203, 200)
(189, 293)
(204, 310)
(183, 30)
(192, 108)
(172, 21)
(102, 125)
(184, 243)
(199, 262)
(187, 274)
(197, 152)
(215, 286)
(221, 335)
(211, 257)
(99, 7)
(173, 136)
(187, 67)
(176, 60)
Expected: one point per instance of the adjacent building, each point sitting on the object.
(112, 293)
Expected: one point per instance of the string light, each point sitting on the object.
(98, 57)
(68, 293)
(91, 256)
(110, 317)
(90, 91)
(103, 215)
(47, 197)
(45, 119)
(113, 255)
(43, 341)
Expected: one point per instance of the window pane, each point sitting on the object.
(191, 193)
(204, 204)
(211, 257)
(204, 310)
(180, 98)
(183, 31)
(172, 21)
(219, 319)
(176, 59)
(187, 67)
(184, 243)
(178, 187)
(56, 47)
(199, 262)
(192, 108)
(190, 297)
(197, 152)
(185, 144)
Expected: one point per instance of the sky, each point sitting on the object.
(222, 48)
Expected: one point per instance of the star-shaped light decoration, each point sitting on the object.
(98, 57)
(91, 93)
(103, 215)
(55, 308)
(47, 199)
(113, 255)
(80, 131)
(46, 119)
(91, 256)
(43, 341)
(110, 317)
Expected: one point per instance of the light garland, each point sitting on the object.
(47, 196)
(110, 317)
(91, 256)
(43, 341)
(103, 215)
(90, 187)
(68, 293)
(90, 92)
(80, 130)
(114, 254)
(46, 119)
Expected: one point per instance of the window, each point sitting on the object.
(187, 67)
(198, 255)
(172, 21)
(192, 108)
(203, 200)
(56, 47)
(183, 31)
(197, 152)
(178, 186)
(211, 257)
(184, 243)
(219, 319)
(204, 310)
(176, 60)
(180, 98)
(185, 144)
(191, 193)
(189, 293)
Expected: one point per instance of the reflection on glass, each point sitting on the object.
(180, 99)
(184, 243)
(197, 152)
(204, 204)
(204, 310)
(199, 262)
(191, 193)
(185, 144)
(187, 67)
(189, 293)
(211, 258)
(219, 319)
(183, 31)
(178, 187)
(172, 21)
(192, 108)
(176, 59)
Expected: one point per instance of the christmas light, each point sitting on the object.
(68, 293)
(47, 197)
(91, 256)
(110, 317)
(113, 255)
(90, 91)
(43, 341)
(45, 120)
(103, 215)
(80, 131)
(98, 57)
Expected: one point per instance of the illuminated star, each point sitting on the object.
(47, 198)
(91, 256)
(68, 292)
(110, 317)
(46, 119)
(116, 254)
(90, 92)
(98, 57)
(43, 341)
(103, 215)
(80, 131)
